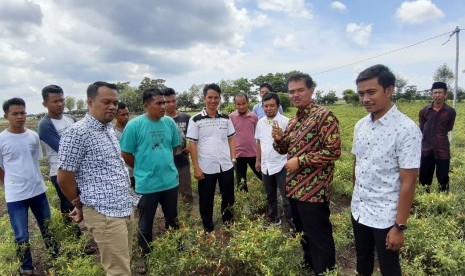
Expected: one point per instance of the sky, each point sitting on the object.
(74, 43)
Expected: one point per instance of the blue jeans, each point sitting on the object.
(18, 213)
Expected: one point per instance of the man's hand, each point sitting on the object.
(258, 166)
(394, 239)
(276, 132)
(76, 215)
(198, 174)
(292, 164)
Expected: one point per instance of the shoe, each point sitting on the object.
(25, 272)
(273, 222)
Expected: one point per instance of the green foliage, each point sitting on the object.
(284, 100)
(70, 102)
(350, 97)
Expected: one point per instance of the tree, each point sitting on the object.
(284, 100)
(410, 93)
(80, 106)
(329, 98)
(147, 83)
(319, 96)
(185, 100)
(277, 80)
(400, 84)
(350, 96)
(445, 74)
(132, 98)
(69, 103)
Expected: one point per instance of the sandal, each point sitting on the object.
(140, 267)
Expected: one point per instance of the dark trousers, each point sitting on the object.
(241, 171)
(207, 188)
(312, 218)
(65, 206)
(427, 166)
(366, 240)
(272, 184)
(148, 203)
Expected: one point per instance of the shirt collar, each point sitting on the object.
(307, 111)
(205, 114)
(96, 124)
(389, 117)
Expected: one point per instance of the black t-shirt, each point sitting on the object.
(182, 121)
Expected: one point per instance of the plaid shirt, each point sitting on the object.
(435, 125)
(313, 137)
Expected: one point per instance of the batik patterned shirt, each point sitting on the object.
(90, 149)
(313, 137)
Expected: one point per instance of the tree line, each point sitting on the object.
(192, 98)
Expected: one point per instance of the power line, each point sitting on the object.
(386, 53)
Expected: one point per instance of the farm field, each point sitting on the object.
(435, 240)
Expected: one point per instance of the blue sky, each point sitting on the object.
(74, 43)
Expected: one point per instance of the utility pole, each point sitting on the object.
(456, 31)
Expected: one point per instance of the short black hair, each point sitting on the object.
(93, 88)
(241, 94)
(384, 75)
(52, 88)
(12, 101)
(267, 85)
(168, 91)
(148, 94)
(269, 96)
(121, 105)
(212, 86)
(301, 76)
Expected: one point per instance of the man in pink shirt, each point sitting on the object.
(244, 122)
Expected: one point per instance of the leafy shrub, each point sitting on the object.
(284, 100)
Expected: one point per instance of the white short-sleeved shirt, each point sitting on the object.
(19, 158)
(382, 148)
(60, 125)
(271, 161)
(211, 136)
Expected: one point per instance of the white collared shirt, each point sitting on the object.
(271, 161)
(382, 148)
(211, 136)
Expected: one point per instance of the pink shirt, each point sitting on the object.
(245, 133)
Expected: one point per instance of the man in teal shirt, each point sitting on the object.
(147, 145)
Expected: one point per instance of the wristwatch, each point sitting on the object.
(401, 227)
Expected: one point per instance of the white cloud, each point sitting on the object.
(359, 33)
(419, 11)
(288, 41)
(338, 6)
(292, 7)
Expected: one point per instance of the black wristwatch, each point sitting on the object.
(401, 227)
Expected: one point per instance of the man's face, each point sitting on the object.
(271, 108)
(122, 116)
(374, 97)
(299, 94)
(170, 104)
(103, 107)
(212, 99)
(55, 104)
(264, 90)
(242, 106)
(156, 108)
(16, 116)
(439, 95)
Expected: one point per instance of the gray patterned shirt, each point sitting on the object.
(91, 150)
(382, 148)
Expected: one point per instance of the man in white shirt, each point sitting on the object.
(20, 152)
(270, 162)
(212, 149)
(387, 149)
